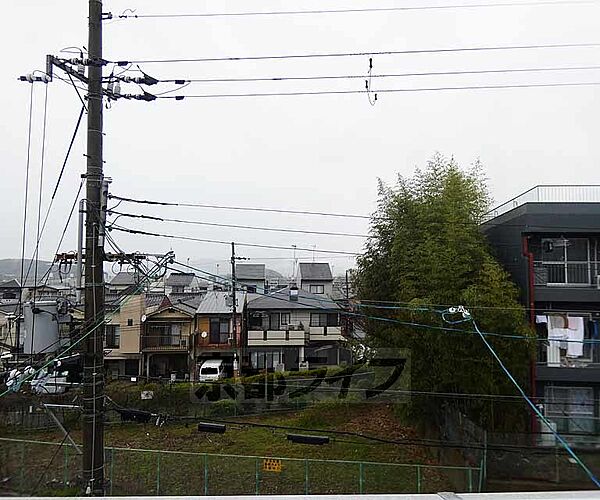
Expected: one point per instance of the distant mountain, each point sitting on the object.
(11, 269)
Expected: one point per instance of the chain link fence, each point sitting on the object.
(45, 468)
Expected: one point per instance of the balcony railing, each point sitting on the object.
(576, 274)
(549, 194)
(164, 342)
(276, 337)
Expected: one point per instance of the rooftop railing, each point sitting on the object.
(551, 193)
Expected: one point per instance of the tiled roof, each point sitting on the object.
(315, 271)
(180, 279)
(10, 284)
(220, 303)
(281, 300)
(250, 271)
(124, 279)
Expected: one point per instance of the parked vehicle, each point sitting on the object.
(211, 369)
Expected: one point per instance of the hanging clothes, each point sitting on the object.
(576, 334)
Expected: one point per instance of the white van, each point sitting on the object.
(211, 369)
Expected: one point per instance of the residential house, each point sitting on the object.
(316, 277)
(8, 314)
(213, 332)
(252, 277)
(122, 337)
(548, 238)
(165, 338)
(9, 292)
(292, 329)
(124, 281)
(180, 283)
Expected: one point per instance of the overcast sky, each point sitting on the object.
(317, 153)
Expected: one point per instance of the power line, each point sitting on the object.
(349, 11)
(325, 214)
(236, 226)
(52, 198)
(222, 207)
(203, 240)
(383, 91)
(386, 75)
(361, 54)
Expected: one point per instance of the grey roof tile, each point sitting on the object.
(315, 271)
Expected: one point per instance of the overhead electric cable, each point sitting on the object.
(383, 91)
(133, 15)
(26, 202)
(39, 210)
(236, 226)
(362, 54)
(385, 75)
(60, 175)
(221, 242)
(324, 214)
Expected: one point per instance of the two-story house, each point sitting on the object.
(251, 277)
(165, 339)
(213, 335)
(122, 337)
(548, 238)
(291, 328)
(183, 283)
(316, 277)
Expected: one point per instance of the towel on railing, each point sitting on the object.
(576, 335)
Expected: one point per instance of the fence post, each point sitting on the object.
(361, 478)
(22, 469)
(205, 474)
(66, 465)
(112, 469)
(306, 487)
(158, 474)
(470, 476)
(418, 479)
(257, 474)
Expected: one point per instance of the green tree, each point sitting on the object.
(427, 249)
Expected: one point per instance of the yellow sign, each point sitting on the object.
(271, 465)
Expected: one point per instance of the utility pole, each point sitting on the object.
(236, 357)
(93, 354)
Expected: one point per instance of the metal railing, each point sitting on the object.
(168, 342)
(158, 472)
(549, 194)
(573, 273)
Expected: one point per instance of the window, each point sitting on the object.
(251, 288)
(112, 336)
(219, 330)
(274, 323)
(259, 359)
(285, 319)
(316, 289)
(129, 322)
(177, 289)
(571, 408)
(564, 261)
(324, 319)
(164, 335)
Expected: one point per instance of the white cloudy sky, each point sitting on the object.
(319, 153)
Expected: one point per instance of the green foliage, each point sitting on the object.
(427, 251)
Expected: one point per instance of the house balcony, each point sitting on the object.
(326, 333)
(284, 338)
(571, 281)
(164, 343)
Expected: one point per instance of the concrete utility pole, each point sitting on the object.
(93, 354)
(236, 356)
